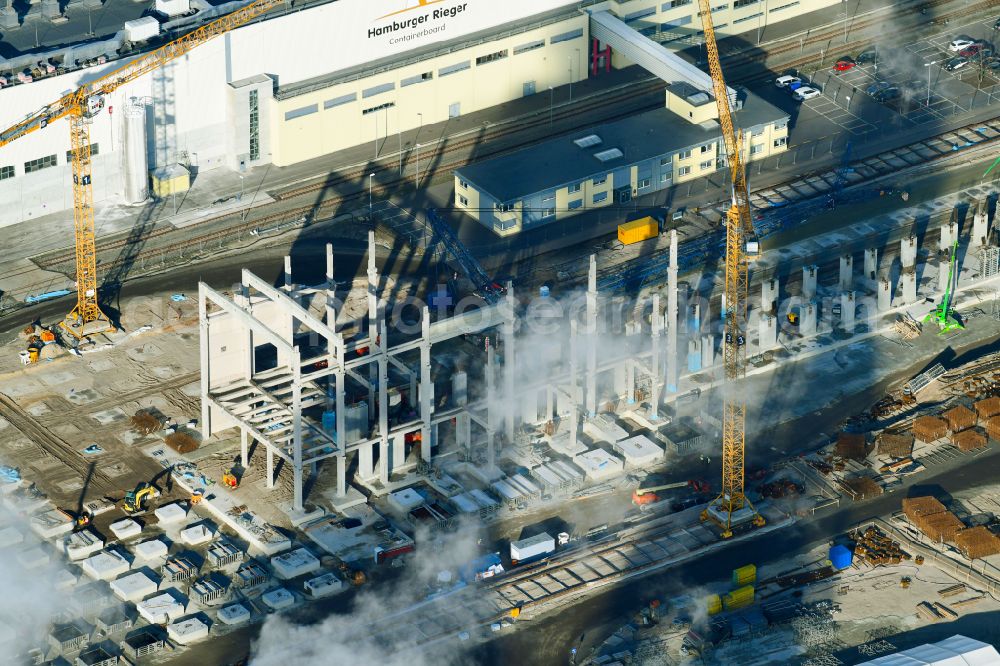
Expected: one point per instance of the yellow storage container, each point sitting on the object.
(713, 604)
(744, 575)
(638, 230)
(739, 598)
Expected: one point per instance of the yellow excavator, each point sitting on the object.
(137, 500)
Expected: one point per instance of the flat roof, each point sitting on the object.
(558, 162)
(390, 63)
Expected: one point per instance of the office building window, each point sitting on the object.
(337, 101)
(778, 9)
(551, 196)
(674, 3)
(756, 148)
(574, 188)
(39, 164)
(684, 154)
(378, 90)
(574, 204)
(566, 36)
(705, 149)
(462, 200)
(451, 69)
(463, 184)
(548, 212)
(530, 46)
(416, 78)
(6, 172)
(664, 177)
(95, 149)
(600, 180)
(303, 111)
(780, 125)
(600, 196)
(780, 142)
(504, 208)
(666, 161)
(492, 57)
(644, 183)
(749, 18)
(706, 165)
(683, 171)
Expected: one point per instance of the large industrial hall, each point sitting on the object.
(466, 333)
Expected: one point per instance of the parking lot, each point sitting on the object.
(920, 89)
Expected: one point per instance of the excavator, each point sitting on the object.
(137, 500)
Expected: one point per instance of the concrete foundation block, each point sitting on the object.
(707, 351)
(908, 287)
(908, 252)
(768, 332)
(846, 272)
(769, 295)
(847, 311)
(980, 225)
(809, 274)
(871, 263)
(949, 233)
(884, 294)
(807, 318)
(8, 18)
(50, 9)
(694, 355)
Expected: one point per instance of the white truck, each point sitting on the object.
(531, 549)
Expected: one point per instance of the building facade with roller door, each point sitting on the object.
(347, 73)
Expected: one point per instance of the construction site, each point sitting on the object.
(657, 385)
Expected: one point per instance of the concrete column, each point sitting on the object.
(426, 388)
(655, 362)
(383, 407)
(244, 448)
(289, 286)
(491, 405)
(269, 476)
(204, 327)
(769, 295)
(591, 379)
(908, 252)
(50, 9)
(550, 403)
(366, 461)
(509, 359)
(463, 431)
(909, 286)
(949, 233)
(943, 274)
(341, 476)
(694, 319)
(296, 430)
(809, 282)
(398, 452)
(980, 225)
(807, 318)
(847, 311)
(884, 294)
(846, 272)
(627, 374)
(459, 389)
(871, 263)
(8, 15)
(768, 331)
(372, 322)
(529, 407)
(707, 351)
(672, 323)
(694, 355)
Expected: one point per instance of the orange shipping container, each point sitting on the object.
(638, 230)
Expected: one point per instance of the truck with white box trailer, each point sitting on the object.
(531, 549)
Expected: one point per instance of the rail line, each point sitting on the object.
(62, 260)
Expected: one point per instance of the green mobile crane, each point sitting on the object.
(944, 314)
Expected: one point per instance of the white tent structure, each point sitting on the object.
(955, 651)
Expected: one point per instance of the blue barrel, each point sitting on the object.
(841, 557)
(543, 291)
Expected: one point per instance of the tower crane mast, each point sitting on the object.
(732, 502)
(79, 107)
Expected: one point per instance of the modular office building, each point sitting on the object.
(611, 164)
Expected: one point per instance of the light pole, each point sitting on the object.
(928, 66)
(417, 175)
(241, 188)
(551, 103)
(370, 176)
(570, 59)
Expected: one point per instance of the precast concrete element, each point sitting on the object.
(809, 276)
(908, 251)
(846, 272)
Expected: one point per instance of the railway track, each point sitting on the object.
(63, 260)
(53, 445)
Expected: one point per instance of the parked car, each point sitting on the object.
(887, 95)
(877, 87)
(996, 26)
(970, 51)
(960, 44)
(843, 65)
(805, 92)
(866, 57)
(956, 63)
(786, 81)
(992, 62)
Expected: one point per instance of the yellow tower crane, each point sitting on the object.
(731, 507)
(80, 106)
